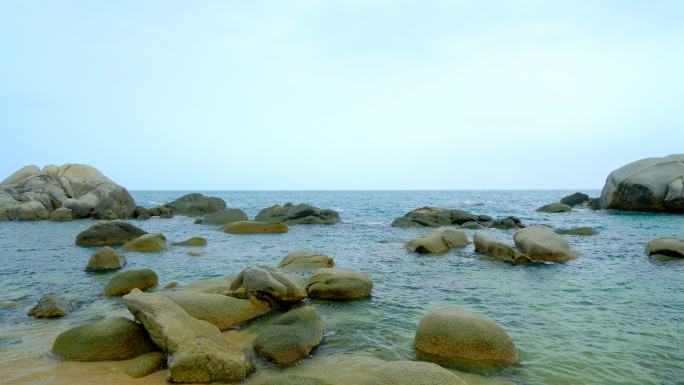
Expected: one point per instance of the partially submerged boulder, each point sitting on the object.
(271, 285)
(223, 217)
(290, 336)
(667, 246)
(251, 227)
(303, 260)
(105, 259)
(584, 230)
(437, 217)
(574, 199)
(540, 243)
(195, 204)
(438, 241)
(51, 306)
(651, 184)
(32, 193)
(115, 338)
(197, 351)
(147, 364)
(458, 338)
(413, 373)
(147, 243)
(555, 208)
(338, 284)
(123, 283)
(497, 249)
(109, 233)
(300, 214)
(192, 242)
(223, 311)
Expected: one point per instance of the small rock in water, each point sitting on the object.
(574, 199)
(123, 283)
(194, 241)
(555, 208)
(104, 259)
(540, 243)
(194, 253)
(438, 241)
(108, 233)
(171, 285)
(8, 304)
(51, 306)
(147, 243)
(339, 284)
(666, 246)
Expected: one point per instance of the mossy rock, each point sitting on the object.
(123, 283)
(147, 243)
(193, 242)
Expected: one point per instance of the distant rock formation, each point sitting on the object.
(66, 192)
(438, 217)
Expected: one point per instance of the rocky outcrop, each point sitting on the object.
(575, 199)
(197, 351)
(554, 208)
(436, 217)
(305, 260)
(540, 243)
(192, 242)
(438, 241)
(123, 283)
(32, 193)
(651, 184)
(223, 311)
(105, 259)
(115, 338)
(191, 205)
(147, 364)
(584, 230)
(147, 243)
(458, 338)
(300, 214)
(51, 306)
(338, 284)
(252, 227)
(269, 284)
(413, 373)
(290, 336)
(109, 233)
(497, 249)
(666, 246)
(223, 217)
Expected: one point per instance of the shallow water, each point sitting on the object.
(611, 316)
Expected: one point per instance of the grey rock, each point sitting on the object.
(291, 336)
(574, 199)
(104, 259)
(109, 233)
(224, 217)
(193, 205)
(299, 214)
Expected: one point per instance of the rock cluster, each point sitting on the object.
(437, 217)
(298, 214)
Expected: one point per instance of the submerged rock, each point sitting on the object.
(290, 336)
(147, 243)
(193, 205)
(668, 246)
(271, 285)
(51, 306)
(109, 233)
(192, 242)
(306, 260)
(31, 193)
(574, 199)
(438, 241)
(124, 282)
(540, 243)
(555, 208)
(197, 351)
(578, 231)
(147, 364)
(223, 311)
(413, 373)
(104, 259)
(223, 217)
(250, 227)
(115, 338)
(651, 184)
(338, 284)
(497, 249)
(300, 214)
(458, 338)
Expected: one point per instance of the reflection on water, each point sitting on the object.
(612, 316)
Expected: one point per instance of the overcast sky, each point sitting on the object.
(341, 94)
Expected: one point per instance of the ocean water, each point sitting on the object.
(611, 316)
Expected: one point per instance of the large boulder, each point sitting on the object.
(304, 260)
(223, 311)
(290, 336)
(540, 243)
(223, 217)
(438, 241)
(195, 204)
(497, 249)
(298, 214)
(115, 338)
(338, 284)
(123, 283)
(667, 246)
(197, 351)
(651, 184)
(574, 199)
(51, 306)
(31, 193)
(555, 208)
(109, 233)
(269, 284)
(413, 373)
(147, 243)
(104, 259)
(458, 338)
(251, 227)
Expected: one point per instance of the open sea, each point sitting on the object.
(610, 316)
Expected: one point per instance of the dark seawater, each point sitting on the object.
(611, 316)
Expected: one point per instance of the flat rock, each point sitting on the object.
(497, 249)
(251, 227)
(51, 306)
(290, 336)
(223, 311)
(338, 284)
(413, 373)
(105, 259)
(438, 241)
(109, 233)
(540, 243)
(306, 260)
(124, 282)
(147, 243)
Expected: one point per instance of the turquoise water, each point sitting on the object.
(611, 316)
